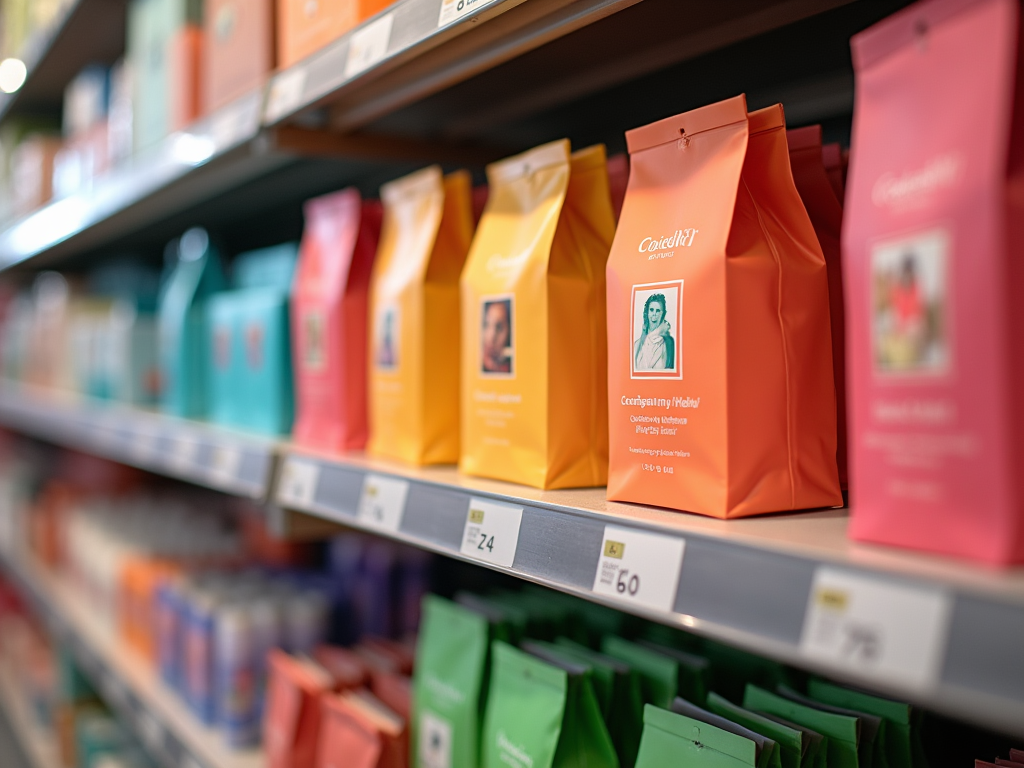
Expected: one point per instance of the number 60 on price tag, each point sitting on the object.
(640, 568)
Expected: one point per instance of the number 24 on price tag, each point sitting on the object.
(492, 532)
(640, 568)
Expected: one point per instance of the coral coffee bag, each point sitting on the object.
(934, 270)
(721, 395)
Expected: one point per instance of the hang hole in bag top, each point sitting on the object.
(721, 396)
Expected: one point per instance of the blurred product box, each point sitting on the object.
(305, 26)
(250, 372)
(32, 172)
(86, 100)
(163, 50)
(80, 161)
(238, 49)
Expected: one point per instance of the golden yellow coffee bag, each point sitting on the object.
(414, 314)
(534, 356)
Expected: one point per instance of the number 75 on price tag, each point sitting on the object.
(491, 533)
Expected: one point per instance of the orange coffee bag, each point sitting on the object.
(721, 399)
(533, 323)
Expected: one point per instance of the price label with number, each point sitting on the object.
(368, 45)
(185, 449)
(492, 532)
(297, 487)
(453, 10)
(639, 567)
(895, 633)
(225, 463)
(285, 93)
(382, 502)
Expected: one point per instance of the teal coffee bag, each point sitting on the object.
(542, 713)
(671, 740)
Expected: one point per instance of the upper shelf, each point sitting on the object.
(791, 586)
(84, 32)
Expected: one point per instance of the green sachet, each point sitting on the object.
(694, 673)
(512, 620)
(732, 669)
(659, 674)
(545, 617)
(870, 751)
(623, 707)
(541, 713)
(902, 740)
(793, 743)
(816, 755)
(842, 731)
(671, 740)
(450, 683)
(767, 752)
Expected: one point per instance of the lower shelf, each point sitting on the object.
(38, 744)
(170, 733)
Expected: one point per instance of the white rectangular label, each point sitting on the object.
(184, 455)
(639, 568)
(368, 45)
(297, 486)
(285, 93)
(893, 633)
(492, 532)
(225, 464)
(452, 10)
(382, 502)
(143, 446)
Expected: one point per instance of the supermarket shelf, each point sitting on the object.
(127, 683)
(84, 32)
(745, 582)
(38, 743)
(197, 453)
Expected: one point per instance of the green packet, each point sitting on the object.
(664, 672)
(546, 618)
(676, 740)
(871, 746)
(510, 621)
(816, 755)
(450, 683)
(843, 731)
(732, 669)
(794, 744)
(541, 713)
(694, 672)
(766, 753)
(617, 687)
(902, 738)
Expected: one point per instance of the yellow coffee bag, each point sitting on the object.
(414, 317)
(534, 356)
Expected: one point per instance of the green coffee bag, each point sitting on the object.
(450, 684)
(542, 714)
(816, 753)
(694, 672)
(902, 741)
(792, 743)
(842, 731)
(622, 705)
(732, 669)
(659, 675)
(870, 750)
(510, 621)
(672, 740)
(767, 751)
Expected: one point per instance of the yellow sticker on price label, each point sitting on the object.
(639, 567)
(382, 502)
(491, 533)
(297, 486)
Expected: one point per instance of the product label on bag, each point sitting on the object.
(893, 633)
(639, 568)
(492, 532)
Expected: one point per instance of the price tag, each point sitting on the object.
(382, 502)
(143, 447)
(452, 10)
(368, 45)
(297, 486)
(639, 567)
(184, 454)
(225, 463)
(492, 532)
(893, 633)
(285, 93)
(229, 125)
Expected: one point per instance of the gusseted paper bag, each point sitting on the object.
(721, 397)
(359, 731)
(450, 684)
(791, 743)
(767, 753)
(534, 403)
(664, 672)
(329, 313)
(414, 312)
(292, 716)
(541, 713)
(670, 739)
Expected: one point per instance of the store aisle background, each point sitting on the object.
(11, 755)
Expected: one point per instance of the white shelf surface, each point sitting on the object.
(128, 684)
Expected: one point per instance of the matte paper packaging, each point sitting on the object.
(766, 750)
(932, 259)
(182, 325)
(789, 741)
(842, 732)
(238, 49)
(826, 212)
(542, 716)
(671, 739)
(305, 26)
(414, 317)
(534, 398)
(721, 395)
(358, 731)
(292, 716)
(329, 321)
(450, 685)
